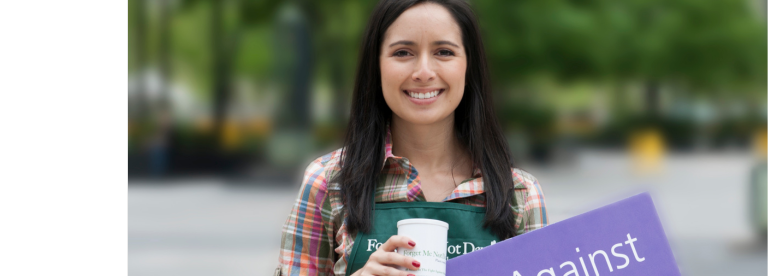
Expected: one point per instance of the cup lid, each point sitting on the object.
(422, 221)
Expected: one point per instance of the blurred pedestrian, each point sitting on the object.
(158, 143)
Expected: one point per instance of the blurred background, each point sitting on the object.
(229, 101)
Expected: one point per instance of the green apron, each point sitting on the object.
(465, 228)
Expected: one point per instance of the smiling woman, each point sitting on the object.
(423, 141)
(423, 66)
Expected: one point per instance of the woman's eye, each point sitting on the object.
(401, 53)
(445, 53)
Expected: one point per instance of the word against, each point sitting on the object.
(573, 271)
(589, 244)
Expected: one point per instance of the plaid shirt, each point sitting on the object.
(315, 238)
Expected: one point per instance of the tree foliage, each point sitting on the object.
(704, 44)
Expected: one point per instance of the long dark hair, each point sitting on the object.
(476, 126)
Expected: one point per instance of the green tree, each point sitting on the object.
(704, 45)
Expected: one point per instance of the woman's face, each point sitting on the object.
(423, 65)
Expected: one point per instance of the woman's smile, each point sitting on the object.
(423, 96)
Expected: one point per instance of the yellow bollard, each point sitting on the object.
(760, 143)
(231, 135)
(647, 149)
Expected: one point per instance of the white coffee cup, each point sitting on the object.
(431, 238)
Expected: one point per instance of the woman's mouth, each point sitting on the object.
(423, 95)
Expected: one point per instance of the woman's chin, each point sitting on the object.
(423, 118)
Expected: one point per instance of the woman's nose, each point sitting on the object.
(423, 72)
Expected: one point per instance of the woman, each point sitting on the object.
(422, 139)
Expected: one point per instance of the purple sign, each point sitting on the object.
(623, 238)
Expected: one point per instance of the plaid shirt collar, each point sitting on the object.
(396, 190)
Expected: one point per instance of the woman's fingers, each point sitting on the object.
(397, 241)
(400, 241)
(382, 261)
(382, 270)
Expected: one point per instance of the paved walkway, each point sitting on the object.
(204, 227)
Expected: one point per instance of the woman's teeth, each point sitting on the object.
(424, 95)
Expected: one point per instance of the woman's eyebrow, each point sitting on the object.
(403, 42)
(444, 42)
(436, 43)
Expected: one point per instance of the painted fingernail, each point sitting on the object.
(411, 243)
(416, 264)
(411, 275)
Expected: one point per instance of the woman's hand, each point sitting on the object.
(380, 263)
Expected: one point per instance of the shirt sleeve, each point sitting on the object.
(531, 209)
(535, 209)
(306, 246)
